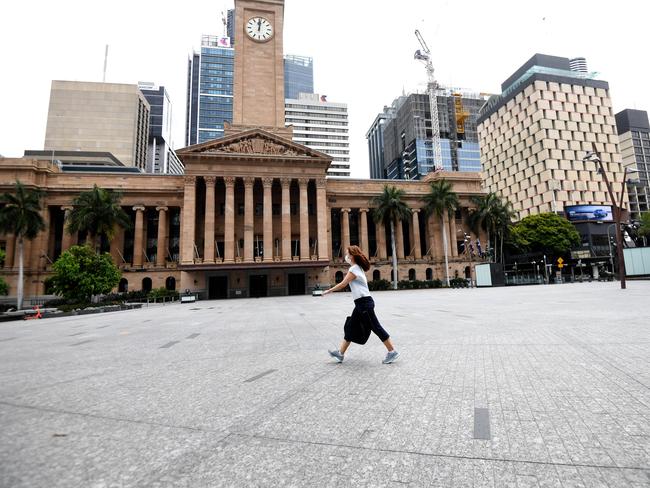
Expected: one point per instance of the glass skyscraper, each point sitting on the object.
(408, 151)
(298, 76)
(209, 90)
(161, 158)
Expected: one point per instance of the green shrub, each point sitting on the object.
(458, 283)
(4, 287)
(379, 285)
(163, 292)
(80, 273)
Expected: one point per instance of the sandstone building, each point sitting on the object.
(254, 214)
(534, 135)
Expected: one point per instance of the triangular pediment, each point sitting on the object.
(253, 143)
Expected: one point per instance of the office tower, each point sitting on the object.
(535, 135)
(99, 117)
(323, 126)
(408, 151)
(209, 90)
(298, 76)
(161, 157)
(634, 143)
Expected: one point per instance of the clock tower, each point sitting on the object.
(259, 64)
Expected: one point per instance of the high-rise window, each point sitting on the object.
(210, 92)
(298, 76)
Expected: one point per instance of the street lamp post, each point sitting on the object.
(594, 157)
(609, 243)
(467, 239)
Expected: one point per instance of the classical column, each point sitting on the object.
(39, 250)
(380, 231)
(363, 238)
(10, 251)
(330, 233)
(286, 219)
(208, 239)
(453, 238)
(399, 239)
(66, 238)
(303, 184)
(416, 233)
(138, 237)
(188, 221)
(322, 220)
(229, 221)
(162, 236)
(117, 245)
(431, 237)
(249, 222)
(268, 219)
(345, 229)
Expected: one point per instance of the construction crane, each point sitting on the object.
(424, 55)
(461, 114)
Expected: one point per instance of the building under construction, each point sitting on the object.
(407, 138)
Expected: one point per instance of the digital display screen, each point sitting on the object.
(589, 213)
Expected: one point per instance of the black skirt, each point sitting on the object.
(357, 329)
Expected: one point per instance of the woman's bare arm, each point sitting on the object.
(341, 286)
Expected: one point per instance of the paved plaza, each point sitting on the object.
(543, 386)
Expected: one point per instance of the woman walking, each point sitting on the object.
(363, 302)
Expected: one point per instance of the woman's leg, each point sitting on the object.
(344, 346)
(379, 330)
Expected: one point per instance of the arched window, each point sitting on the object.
(339, 277)
(170, 283)
(429, 274)
(123, 287)
(376, 275)
(411, 274)
(146, 285)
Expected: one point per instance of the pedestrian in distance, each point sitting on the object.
(363, 303)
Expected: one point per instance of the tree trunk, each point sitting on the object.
(392, 243)
(94, 241)
(445, 248)
(502, 237)
(487, 244)
(21, 271)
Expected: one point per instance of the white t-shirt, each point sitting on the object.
(359, 285)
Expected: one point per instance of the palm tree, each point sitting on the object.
(495, 217)
(506, 214)
(97, 212)
(21, 216)
(442, 200)
(484, 216)
(389, 208)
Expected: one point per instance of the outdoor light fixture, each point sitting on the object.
(594, 157)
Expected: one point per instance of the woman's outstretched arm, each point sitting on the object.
(341, 286)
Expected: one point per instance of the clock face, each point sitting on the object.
(259, 29)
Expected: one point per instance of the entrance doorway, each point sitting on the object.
(296, 284)
(258, 286)
(218, 287)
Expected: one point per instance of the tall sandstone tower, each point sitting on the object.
(259, 64)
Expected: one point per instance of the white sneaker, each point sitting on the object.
(391, 357)
(336, 355)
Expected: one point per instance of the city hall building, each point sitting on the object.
(254, 214)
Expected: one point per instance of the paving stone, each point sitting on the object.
(246, 395)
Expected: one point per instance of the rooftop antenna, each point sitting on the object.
(225, 23)
(105, 63)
